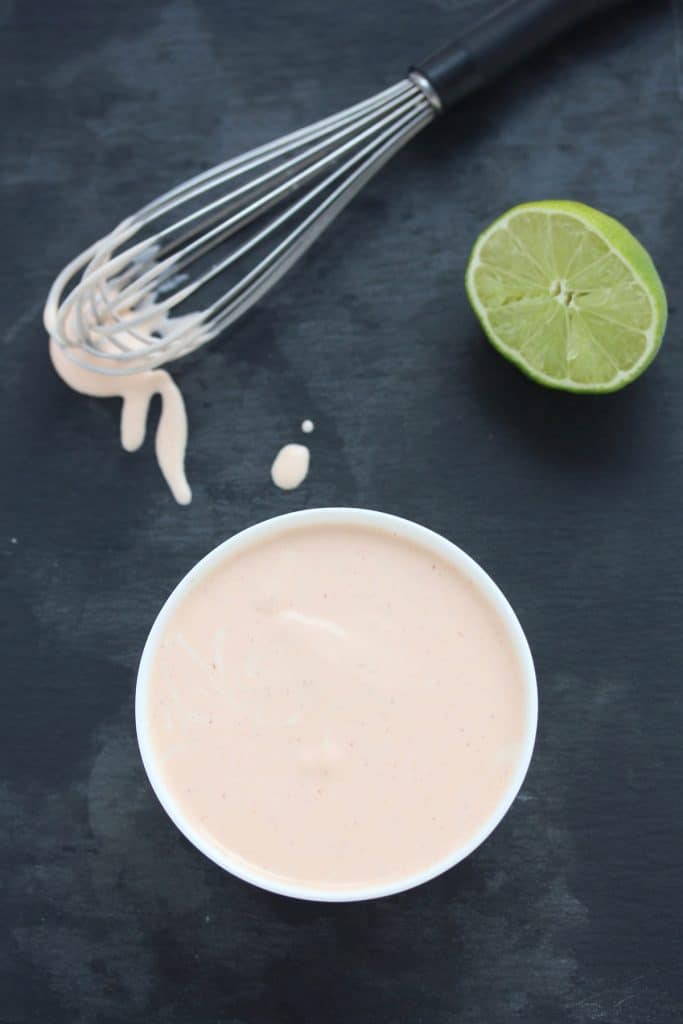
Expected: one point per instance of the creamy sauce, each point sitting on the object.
(308, 426)
(290, 467)
(336, 707)
(137, 391)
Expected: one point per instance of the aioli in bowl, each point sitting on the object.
(336, 704)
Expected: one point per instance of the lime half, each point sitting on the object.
(568, 295)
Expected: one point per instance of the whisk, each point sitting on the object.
(178, 272)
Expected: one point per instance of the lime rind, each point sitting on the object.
(569, 295)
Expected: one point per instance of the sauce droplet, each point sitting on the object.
(290, 466)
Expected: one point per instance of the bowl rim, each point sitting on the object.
(395, 526)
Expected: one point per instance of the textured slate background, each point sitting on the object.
(570, 912)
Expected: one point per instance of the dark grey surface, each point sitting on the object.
(569, 913)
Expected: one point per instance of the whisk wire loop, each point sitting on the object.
(124, 304)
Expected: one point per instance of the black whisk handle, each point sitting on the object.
(501, 40)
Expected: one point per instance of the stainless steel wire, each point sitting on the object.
(178, 272)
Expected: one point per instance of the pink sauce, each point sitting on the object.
(137, 391)
(68, 327)
(336, 707)
(290, 466)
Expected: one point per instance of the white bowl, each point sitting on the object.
(344, 516)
